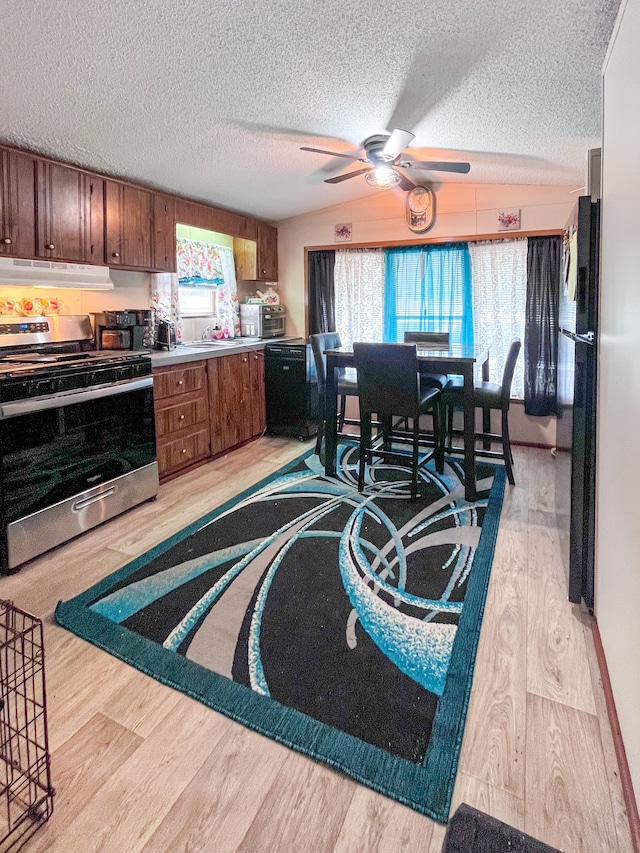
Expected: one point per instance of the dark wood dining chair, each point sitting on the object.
(435, 341)
(488, 395)
(347, 384)
(389, 385)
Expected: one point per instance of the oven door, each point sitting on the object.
(273, 324)
(71, 461)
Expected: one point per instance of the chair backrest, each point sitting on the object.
(320, 343)
(387, 378)
(436, 340)
(507, 373)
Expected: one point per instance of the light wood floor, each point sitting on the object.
(139, 767)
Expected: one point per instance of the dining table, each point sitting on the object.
(456, 360)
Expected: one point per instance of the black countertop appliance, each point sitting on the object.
(291, 389)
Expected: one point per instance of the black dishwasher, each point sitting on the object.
(291, 389)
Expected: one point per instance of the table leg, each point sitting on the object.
(331, 421)
(469, 435)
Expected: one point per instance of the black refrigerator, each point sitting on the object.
(576, 424)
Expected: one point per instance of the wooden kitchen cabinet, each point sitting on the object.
(129, 226)
(164, 224)
(257, 260)
(267, 262)
(17, 204)
(236, 399)
(182, 416)
(69, 214)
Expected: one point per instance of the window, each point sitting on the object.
(197, 301)
(428, 289)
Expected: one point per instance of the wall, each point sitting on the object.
(462, 210)
(618, 466)
(131, 290)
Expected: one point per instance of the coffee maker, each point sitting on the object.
(123, 330)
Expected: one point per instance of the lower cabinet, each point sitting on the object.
(181, 415)
(236, 399)
(203, 408)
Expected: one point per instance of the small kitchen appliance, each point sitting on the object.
(123, 330)
(262, 321)
(77, 433)
(165, 335)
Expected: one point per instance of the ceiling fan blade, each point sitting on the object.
(346, 176)
(333, 154)
(438, 166)
(397, 142)
(405, 181)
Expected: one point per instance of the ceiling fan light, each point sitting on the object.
(382, 177)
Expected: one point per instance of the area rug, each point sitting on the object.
(343, 625)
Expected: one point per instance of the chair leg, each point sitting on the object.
(319, 436)
(385, 420)
(414, 459)
(486, 427)
(341, 413)
(449, 418)
(365, 443)
(439, 435)
(506, 447)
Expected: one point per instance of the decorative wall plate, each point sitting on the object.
(421, 209)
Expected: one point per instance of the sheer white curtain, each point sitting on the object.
(359, 294)
(499, 270)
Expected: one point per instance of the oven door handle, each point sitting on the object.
(69, 398)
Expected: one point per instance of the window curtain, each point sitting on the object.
(164, 299)
(359, 294)
(199, 264)
(499, 270)
(544, 273)
(322, 315)
(208, 265)
(428, 289)
(227, 294)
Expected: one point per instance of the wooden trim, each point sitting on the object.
(621, 755)
(415, 241)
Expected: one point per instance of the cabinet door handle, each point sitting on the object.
(115, 254)
(179, 381)
(181, 417)
(6, 241)
(184, 449)
(245, 359)
(50, 246)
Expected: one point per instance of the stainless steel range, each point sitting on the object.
(77, 437)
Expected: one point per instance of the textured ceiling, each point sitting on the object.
(213, 100)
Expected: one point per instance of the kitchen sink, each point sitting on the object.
(224, 342)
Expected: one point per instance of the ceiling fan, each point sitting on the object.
(385, 168)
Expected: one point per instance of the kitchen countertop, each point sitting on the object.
(185, 353)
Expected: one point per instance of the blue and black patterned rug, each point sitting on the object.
(343, 625)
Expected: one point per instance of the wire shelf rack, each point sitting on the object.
(26, 793)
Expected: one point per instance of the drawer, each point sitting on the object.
(181, 451)
(180, 414)
(184, 379)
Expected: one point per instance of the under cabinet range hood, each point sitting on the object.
(36, 273)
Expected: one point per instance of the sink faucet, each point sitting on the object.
(206, 333)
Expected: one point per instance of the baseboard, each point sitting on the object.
(531, 444)
(623, 766)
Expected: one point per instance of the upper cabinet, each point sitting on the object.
(267, 267)
(69, 214)
(164, 221)
(17, 204)
(63, 213)
(257, 260)
(129, 230)
(140, 228)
